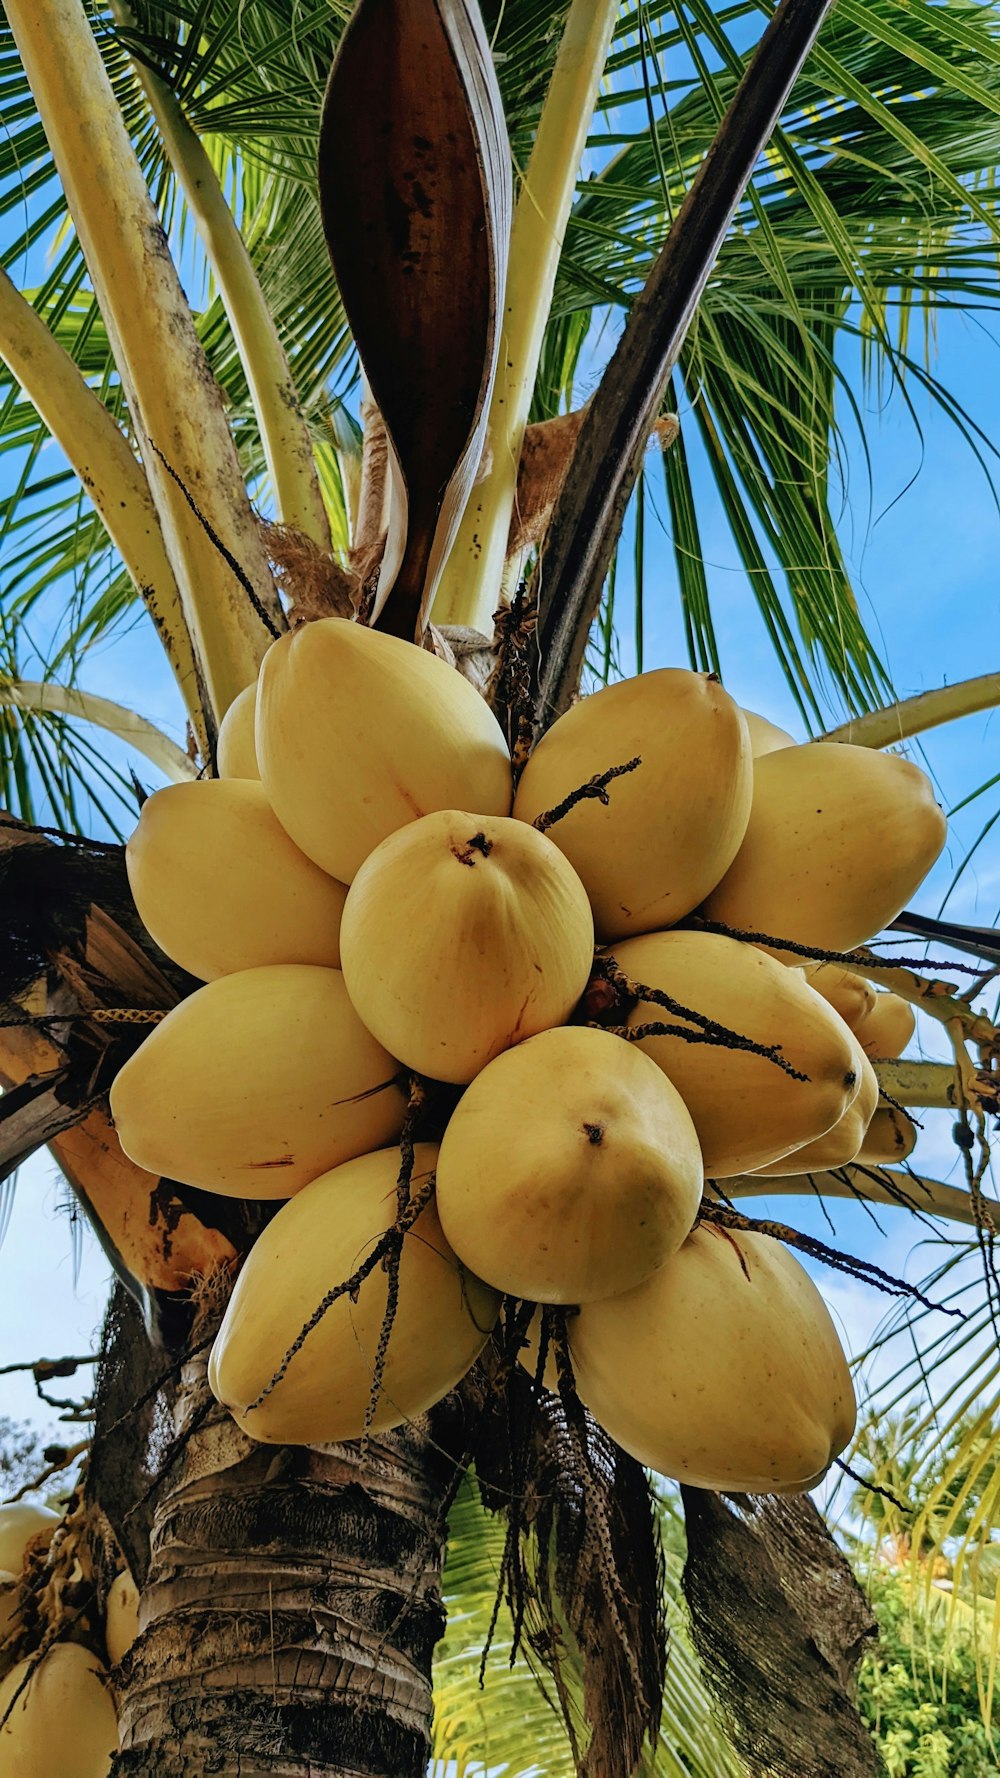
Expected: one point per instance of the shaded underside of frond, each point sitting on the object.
(780, 1624)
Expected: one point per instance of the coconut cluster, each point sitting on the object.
(58, 1717)
(368, 903)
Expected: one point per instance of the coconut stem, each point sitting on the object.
(386, 1250)
(849, 958)
(629, 994)
(722, 1216)
(596, 789)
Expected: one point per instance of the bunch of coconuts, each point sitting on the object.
(57, 1711)
(368, 901)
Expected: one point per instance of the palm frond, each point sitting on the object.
(874, 205)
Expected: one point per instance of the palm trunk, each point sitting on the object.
(291, 1607)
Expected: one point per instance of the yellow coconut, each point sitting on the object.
(723, 1370)
(461, 936)
(316, 1242)
(888, 1027)
(765, 737)
(359, 733)
(257, 1084)
(569, 1170)
(890, 1136)
(841, 1144)
(848, 994)
(672, 826)
(838, 840)
(23, 1525)
(121, 1617)
(63, 1724)
(235, 753)
(220, 886)
(747, 1110)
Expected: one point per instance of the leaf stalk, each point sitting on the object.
(112, 476)
(587, 518)
(45, 697)
(914, 716)
(283, 430)
(470, 587)
(174, 402)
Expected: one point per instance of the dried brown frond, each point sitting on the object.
(310, 580)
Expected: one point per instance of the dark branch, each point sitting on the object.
(977, 941)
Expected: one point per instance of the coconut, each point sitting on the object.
(22, 1525)
(838, 840)
(316, 1242)
(841, 1144)
(722, 1370)
(765, 737)
(888, 1027)
(220, 886)
(461, 936)
(63, 1724)
(257, 1084)
(746, 1109)
(672, 827)
(121, 1616)
(569, 1170)
(848, 994)
(235, 753)
(890, 1136)
(359, 733)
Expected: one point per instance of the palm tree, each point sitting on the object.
(291, 1598)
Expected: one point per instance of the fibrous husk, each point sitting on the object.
(24, 1526)
(891, 1136)
(765, 737)
(121, 1617)
(780, 1624)
(888, 1026)
(848, 993)
(62, 1721)
(747, 1108)
(840, 1145)
(235, 752)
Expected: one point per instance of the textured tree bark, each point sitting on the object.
(291, 1607)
